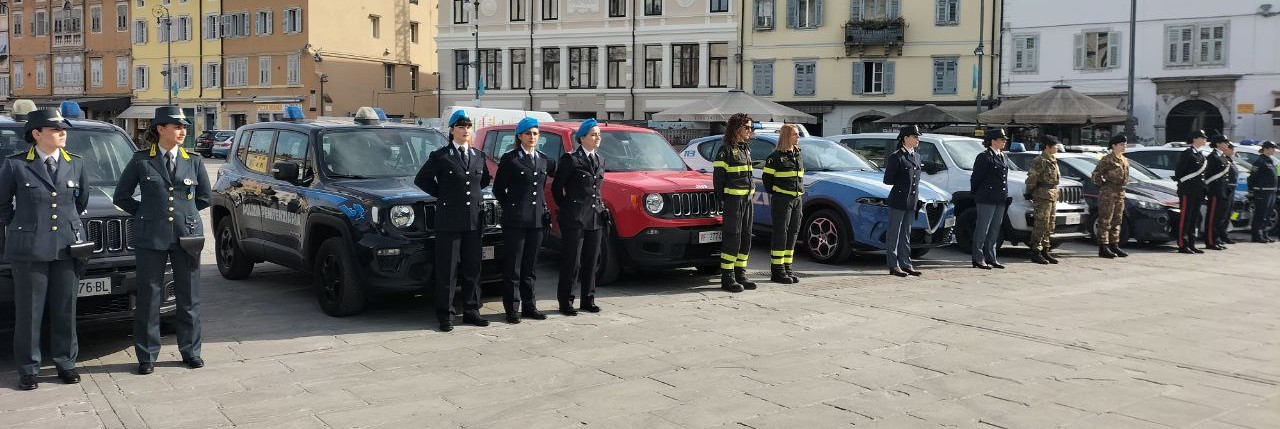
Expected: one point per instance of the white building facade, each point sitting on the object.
(1199, 65)
(608, 59)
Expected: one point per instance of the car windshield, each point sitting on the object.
(1136, 171)
(965, 150)
(638, 151)
(826, 155)
(377, 152)
(103, 151)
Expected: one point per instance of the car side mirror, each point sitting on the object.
(285, 171)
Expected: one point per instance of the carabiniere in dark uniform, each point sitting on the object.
(1262, 187)
(520, 187)
(576, 190)
(41, 198)
(1190, 174)
(174, 188)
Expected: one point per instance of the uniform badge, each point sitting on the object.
(186, 182)
(190, 196)
(71, 184)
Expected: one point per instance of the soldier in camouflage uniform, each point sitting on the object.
(1042, 190)
(1111, 176)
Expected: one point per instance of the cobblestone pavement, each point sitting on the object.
(1157, 340)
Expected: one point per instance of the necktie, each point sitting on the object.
(51, 166)
(168, 162)
(462, 154)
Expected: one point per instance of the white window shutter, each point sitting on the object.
(793, 14)
(1079, 51)
(895, 8)
(888, 77)
(855, 10)
(817, 20)
(940, 12)
(1113, 49)
(857, 76)
(1033, 53)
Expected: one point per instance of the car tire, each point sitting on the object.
(610, 268)
(337, 284)
(826, 237)
(919, 253)
(233, 264)
(964, 230)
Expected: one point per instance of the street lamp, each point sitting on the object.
(162, 17)
(323, 78)
(475, 30)
(979, 51)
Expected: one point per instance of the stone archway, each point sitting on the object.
(865, 122)
(1192, 115)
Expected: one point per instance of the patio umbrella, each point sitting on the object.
(719, 107)
(1060, 105)
(926, 114)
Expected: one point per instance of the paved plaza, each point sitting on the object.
(1157, 340)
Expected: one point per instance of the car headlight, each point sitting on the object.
(653, 203)
(1146, 203)
(872, 201)
(402, 216)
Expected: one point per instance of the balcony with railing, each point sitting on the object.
(861, 34)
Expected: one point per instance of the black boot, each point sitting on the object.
(791, 274)
(513, 316)
(740, 276)
(1048, 256)
(727, 283)
(1037, 256)
(1105, 252)
(779, 275)
(1115, 248)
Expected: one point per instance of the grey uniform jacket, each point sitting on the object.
(170, 206)
(40, 217)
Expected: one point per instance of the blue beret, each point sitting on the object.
(585, 128)
(525, 124)
(457, 115)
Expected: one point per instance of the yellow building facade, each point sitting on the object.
(851, 62)
(191, 39)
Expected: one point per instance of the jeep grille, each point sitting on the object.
(1070, 194)
(110, 235)
(691, 204)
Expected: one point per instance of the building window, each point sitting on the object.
(582, 67)
(39, 23)
(652, 7)
(122, 72)
(945, 74)
(375, 23)
(806, 13)
(16, 22)
(718, 65)
(684, 65)
(617, 8)
(68, 71)
(1213, 41)
(183, 75)
(617, 57)
(1026, 52)
(19, 75)
(413, 78)
(764, 15)
(491, 68)
(294, 69)
(461, 64)
(519, 69)
(413, 31)
(292, 21)
(4, 86)
(264, 24)
(652, 66)
(212, 75)
(1097, 50)
(237, 72)
(164, 33)
(67, 27)
(1191, 45)
(388, 76)
(140, 78)
(139, 32)
(873, 77)
(861, 10)
(947, 12)
(264, 71)
(235, 25)
(183, 29)
(42, 74)
(517, 11)
(762, 78)
(550, 10)
(95, 18)
(460, 9)
(122, 17)
(719, 6)
(550, 68)
(95, 72)
(805, 78)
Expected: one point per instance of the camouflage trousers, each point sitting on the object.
(1110, 216)
(1045, 220)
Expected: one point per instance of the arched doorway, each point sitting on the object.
(1192, 115)
(867, 124)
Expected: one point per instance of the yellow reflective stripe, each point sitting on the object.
(732, 191)
(777, 253)
(768, 170)
(776, 261)
(784, 191)
(728, 257)
(726, 266)
(740, 264)
(793, 173)
(731, 168)
(743, 257)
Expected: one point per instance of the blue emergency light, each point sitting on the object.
(71, 109)
(293, 112)
(382, 115)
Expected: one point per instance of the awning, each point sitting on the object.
(138, 112)
(113, 103)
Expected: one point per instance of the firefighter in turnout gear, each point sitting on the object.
(1218, 185)
(1190, 176)
(1042, 191)
(732, 180)
(783, 179)
(1111, 176)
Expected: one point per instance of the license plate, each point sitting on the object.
(950, 222)
(488, 252)
(709, 237)
(1071, 219)
(95, 287)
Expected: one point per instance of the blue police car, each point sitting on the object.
(844, 200)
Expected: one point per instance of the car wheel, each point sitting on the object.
(337, 284)
(964, 230)
(609, 269)
(233, 264)
(826, 237)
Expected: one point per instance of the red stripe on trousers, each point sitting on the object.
(1213, 220)
(1182, 223)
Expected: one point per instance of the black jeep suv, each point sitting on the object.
(106, 293)
(337, 200)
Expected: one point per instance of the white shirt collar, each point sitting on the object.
(530, 153)
(585, 151)
(173, 152)
(44, 156)
(460, 148)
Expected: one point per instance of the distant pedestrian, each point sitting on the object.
(783, 179)
(902, 173)
(1111, 176)
(990, 189)
(1262, 185)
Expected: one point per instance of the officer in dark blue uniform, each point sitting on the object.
(520, 187)
(454, 174)
(576, 190)
(1217, 186)
(1190, 174)
(990, 188)
(41, 197)
(174, 188)
(1262, 185)
(902, 172)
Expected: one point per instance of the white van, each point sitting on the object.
(482, 117)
